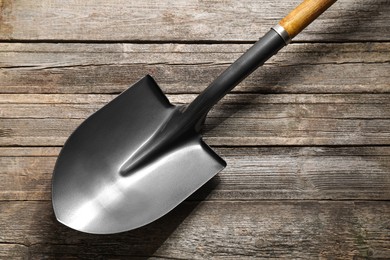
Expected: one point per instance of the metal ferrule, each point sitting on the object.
(282, 32)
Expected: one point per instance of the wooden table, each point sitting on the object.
(306, 137)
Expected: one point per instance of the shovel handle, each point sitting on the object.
(278, 37)
(305, 13)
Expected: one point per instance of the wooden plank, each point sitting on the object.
(355, 119)
(189, 68)
(13, 251)
(183, 20)
(29, 151)
(271, 229)
(76, 106)
(264, 173)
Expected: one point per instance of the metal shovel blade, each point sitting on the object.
(91, 195)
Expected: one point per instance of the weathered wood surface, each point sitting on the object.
(189, 68)
(184, 20)
(253, 173)
(306, 137)
(233, 229)
(251, 119)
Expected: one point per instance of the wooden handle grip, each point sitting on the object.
(303, 15)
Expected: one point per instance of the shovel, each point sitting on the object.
(139, 156)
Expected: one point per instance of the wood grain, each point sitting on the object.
(184, 20)
(310, 119)
(182, 68)
(254, 229)
(253, 173)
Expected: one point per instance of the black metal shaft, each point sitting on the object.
(180, 124)
(254, 57)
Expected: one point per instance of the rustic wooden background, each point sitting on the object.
(306, 137)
